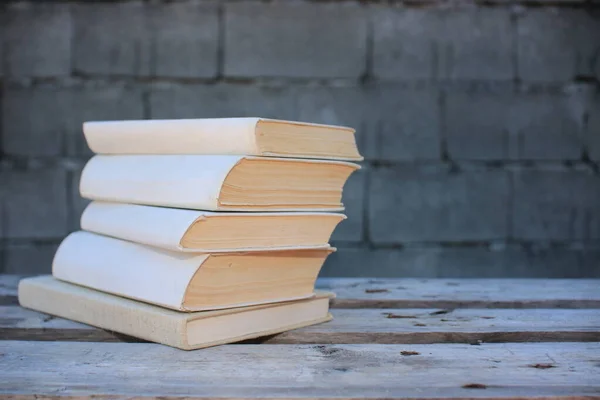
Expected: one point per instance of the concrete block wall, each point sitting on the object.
(479, 121)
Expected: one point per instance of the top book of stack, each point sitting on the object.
(223, 136)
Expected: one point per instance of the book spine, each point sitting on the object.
(155, 226)
(103, 311)
(192, 182)
(123, 268)
(233, 136)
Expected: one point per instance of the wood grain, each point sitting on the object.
(506, 371)
(463, 293)
(387, 326)
(435, 293)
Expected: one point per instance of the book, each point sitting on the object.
(206, 231)
(234, 136)
(186, 281)
(217, 183)
(186, 331)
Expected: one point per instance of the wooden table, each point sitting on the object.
(403, 338)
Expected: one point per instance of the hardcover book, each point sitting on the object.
(185, 331)
(217, 183)
(187, 281)
(234, 136)
(205, 231)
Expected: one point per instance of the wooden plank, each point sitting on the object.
(507, 371)
(387, 326)
(463, 293)
(435, 293)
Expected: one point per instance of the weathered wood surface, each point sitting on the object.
(435, 293)
(507, 371)
(371, 349)
(362, 326)
(463, 293)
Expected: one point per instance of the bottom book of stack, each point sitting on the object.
(183, 330)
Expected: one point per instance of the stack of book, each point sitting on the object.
(201, 231)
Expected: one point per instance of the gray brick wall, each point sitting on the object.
(541, 212)
(34, 203)
(468, 262)
(407, 124)
(45, 120)
(37, 40)
(425, 43)
(593, 129)
(408, 205)
(185, 39)
(557, 44)
(295, 40)
(479, 121)
(521, 125)
(111, 39)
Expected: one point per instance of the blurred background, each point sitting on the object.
(479, 121)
